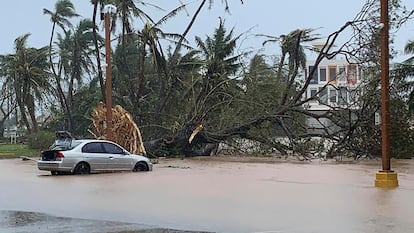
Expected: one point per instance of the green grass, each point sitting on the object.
(17, 150)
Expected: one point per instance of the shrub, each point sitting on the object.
(40, 140)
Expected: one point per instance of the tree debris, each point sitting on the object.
(125, 131)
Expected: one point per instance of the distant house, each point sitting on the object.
(334, 85)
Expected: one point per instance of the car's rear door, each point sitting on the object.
(94, 154)
(117, 158)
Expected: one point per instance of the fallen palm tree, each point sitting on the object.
(125, 131)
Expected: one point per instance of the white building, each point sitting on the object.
(334, 82)
(334, 85)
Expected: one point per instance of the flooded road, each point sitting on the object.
(215, 196)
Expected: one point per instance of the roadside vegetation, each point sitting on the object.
(29, 146)
(172, 84)
(17, 150)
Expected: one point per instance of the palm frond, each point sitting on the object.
(170, 15)
(409, 47)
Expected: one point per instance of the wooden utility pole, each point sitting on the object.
(108, 9)
(386, 178)
(385, 96)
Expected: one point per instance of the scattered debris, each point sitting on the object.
(25, 158)
(179, 167)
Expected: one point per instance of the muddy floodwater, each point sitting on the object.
(209, 195)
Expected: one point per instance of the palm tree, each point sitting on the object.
(219, 64)
(97, 48)
(217, 53)
(409, 47)
(75, 52)
(149, 38)
(64, 11)
(127, 10)
(27, 71)
(291, 46)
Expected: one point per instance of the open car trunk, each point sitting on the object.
(49, 155)
(63, 142)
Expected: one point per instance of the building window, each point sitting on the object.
(313, 94)
(332, 95)
(332, 74)
(352, 77)
(322, 74)
(323, 95)
(342, 96)
(341, 74)
(314, 79)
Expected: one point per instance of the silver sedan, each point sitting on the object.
(86, 156)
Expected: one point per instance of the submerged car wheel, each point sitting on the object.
(55, 173)
(141, 166)
(82, 168)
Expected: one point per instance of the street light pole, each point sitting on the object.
(386, 178)
(108, 9)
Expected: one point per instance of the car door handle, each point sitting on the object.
(110, 157)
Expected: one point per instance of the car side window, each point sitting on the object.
(112, 149)
(93, 147)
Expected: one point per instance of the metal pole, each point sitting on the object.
(108, 84)
(385, 114)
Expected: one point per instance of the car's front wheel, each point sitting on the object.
(82, 168)
(141, 166)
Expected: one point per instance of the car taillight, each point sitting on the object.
(59, 154)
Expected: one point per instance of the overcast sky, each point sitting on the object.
(271, 17)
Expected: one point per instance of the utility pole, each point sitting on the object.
(386, 178)
(385, 96)
(108, 10)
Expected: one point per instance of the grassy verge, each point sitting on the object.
(17, 150)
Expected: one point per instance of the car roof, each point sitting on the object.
(91, 140)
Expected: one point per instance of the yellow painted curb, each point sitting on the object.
(386, 179)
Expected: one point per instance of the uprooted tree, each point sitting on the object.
(260, 104)
(258, 108)
(209, 89)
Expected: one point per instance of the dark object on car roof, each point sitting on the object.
(63, 135)
(63, 141)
